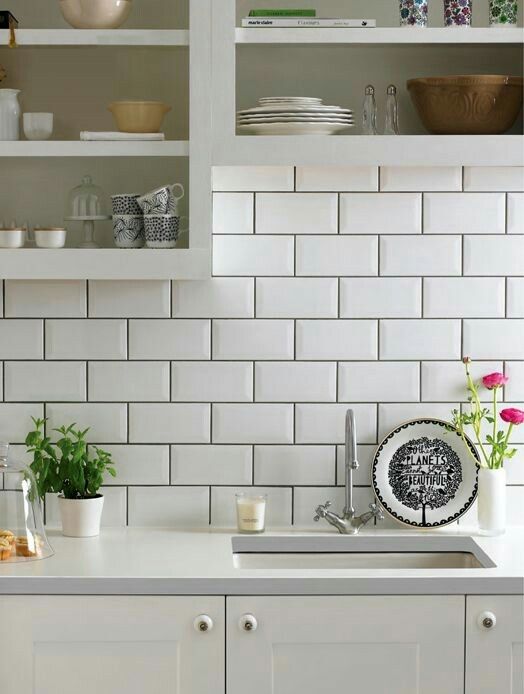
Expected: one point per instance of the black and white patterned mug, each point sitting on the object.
(162, 231)
(126, 203)
(162, 200)
(128, 231)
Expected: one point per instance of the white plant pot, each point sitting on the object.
(492, 501)
(81, 517)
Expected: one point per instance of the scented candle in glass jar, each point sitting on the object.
(251, 513)
(413, 13)
(458, 13)
(503, 13)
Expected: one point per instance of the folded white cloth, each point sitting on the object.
(86, 135)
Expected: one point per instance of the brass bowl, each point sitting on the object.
(467, 104)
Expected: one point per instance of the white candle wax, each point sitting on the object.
(251, 513)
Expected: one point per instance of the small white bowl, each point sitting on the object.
(38, 126)
(52, 237)
(95, 14)
(12, 238)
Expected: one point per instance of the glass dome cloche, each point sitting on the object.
(87, 203)
(22, 534)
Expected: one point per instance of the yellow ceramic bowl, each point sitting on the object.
(139, 116)
(95, 14)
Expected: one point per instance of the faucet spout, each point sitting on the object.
(351, 462)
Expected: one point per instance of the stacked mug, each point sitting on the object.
(128, 221)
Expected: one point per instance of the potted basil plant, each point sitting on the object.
(68, 468)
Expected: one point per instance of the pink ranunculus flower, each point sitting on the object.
(495, 380)
(512, 415)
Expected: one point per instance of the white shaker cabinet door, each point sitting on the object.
(111, 645)
(495, 644)
(355, 645)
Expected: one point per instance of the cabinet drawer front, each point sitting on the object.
(393, 644)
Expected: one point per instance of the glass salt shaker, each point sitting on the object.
(391, 125)
(369, 115)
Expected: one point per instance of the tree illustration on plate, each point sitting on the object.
(425, 474)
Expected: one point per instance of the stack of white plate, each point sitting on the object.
(293, 115)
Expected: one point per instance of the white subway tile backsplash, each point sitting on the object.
(326, 423)
(397, 297)
(515, 213)
(445, 381)
(392, 415)
(365, 456)
(514, 389)
(220, 297)
(233, 213)
(461, 297)
(515, 297)
(86, 339)
(515, 467)
(21, 339)
(494, 255)
(113, 514)
(336, 178)
(378, 382)
(253, 339)
(291, 465)
(252, 423)
(420, 255)
(494, 339)
(307, 499)
(139, 464)
(296, 213)
(223, 505)
(295, 382)
(420, 178)
(169, 423)
(379, 213)
(181, 507)
(336, 339)
(130, 298)
(107, 423)
(488, 178)
(420, 339)
(15, 420)
(455, 213)
(212, 381)
(170, 339)
(337, 255)
(144, 381)
(297, 298)
(38, 381)
(36, 299)
(220, 465)
(515, 507)
(253, 178)
(253, 255)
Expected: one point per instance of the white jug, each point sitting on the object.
(9, 114)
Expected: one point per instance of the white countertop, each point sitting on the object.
(161, 561)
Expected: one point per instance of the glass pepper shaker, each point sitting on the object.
(391, 125)
(369, 114)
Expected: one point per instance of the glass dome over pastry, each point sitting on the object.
(87, 202)
(22, 534)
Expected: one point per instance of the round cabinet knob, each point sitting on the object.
(203, 623)
(248, 623)
(487, 620)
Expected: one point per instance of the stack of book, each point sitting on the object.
(300, 19)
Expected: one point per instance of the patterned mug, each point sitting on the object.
(162, 230)
(458, 13)
(503, 13)
(413, 13)
(128, 231)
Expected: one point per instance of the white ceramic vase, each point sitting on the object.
(492, 501)
(9, 114)
(81, 517)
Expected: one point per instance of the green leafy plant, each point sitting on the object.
(66, 467)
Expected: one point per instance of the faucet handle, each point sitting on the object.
(320, 511)
(376, 511)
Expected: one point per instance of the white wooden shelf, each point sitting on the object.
(97, 37)
(382, 36)
(77, 148)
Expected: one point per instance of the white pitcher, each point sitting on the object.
(9, 114)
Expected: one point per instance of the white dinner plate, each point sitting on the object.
(276, 108)
(346, 121)
(299, 114)
(293, 128)
(316, 99)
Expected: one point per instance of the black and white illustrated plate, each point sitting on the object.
(423, 475)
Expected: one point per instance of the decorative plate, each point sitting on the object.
(423, 475)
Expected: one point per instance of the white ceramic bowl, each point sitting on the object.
(95, 14)
(52, 237)
(12, 238)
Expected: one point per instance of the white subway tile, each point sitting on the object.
(381, 213)
(391, 416)
(107, 422)
(361, 476)
(494, 339)
(169, 423)
(515, 297)
(488, 178)
(128, 299)
(494, 255)
(420, 178)
(514, 389)
(253, 339)
(249, 178)
(337, 255)
(381, 297)
(326, 423)
(515, 213)
(253, 423)
(297, 213)
(233, 213)
(139, 465)
(21, 339)
(306, 500)
(40, 381)
(15, 420)
(281, 465)
(212, 381)
(211, 465)
(220, 297)
(35, 299)
(453, 213)
(515, 467)
(337, 339)
(420, 339)
(295, 382)
(85, 339)
(515, 506)
(297, 298)
(336, 178)
(464, 297)
(421, 255)
(140, 381)
(223, 505)
(378, 382)
(445, 381)
(113, 513)
(253, 255)
(180, 507)
(169, 339)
